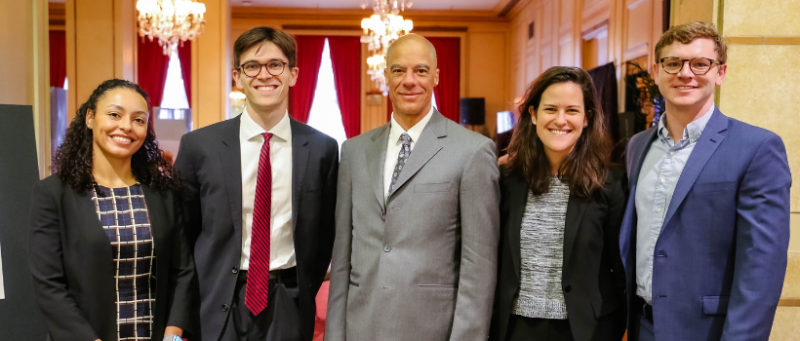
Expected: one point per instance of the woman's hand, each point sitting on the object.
(172, 330)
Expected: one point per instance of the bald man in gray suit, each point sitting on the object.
(417, 219)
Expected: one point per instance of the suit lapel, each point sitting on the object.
(230, 155)
(300, 154)
(639, 151)
(627, 233)
(427, 146)
(517, 191)
(575, 209)
(159, 221)
(707, 144)
(376, 157)
(91, 226)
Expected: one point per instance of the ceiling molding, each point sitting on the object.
(508, 6)
(241, 12)
(57, 14)
(358, 28)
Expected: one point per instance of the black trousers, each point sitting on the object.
(533, 329)
(284, 325)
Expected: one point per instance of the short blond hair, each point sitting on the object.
(690, 32)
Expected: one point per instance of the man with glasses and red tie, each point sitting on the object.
(705, 234)
(258, 200)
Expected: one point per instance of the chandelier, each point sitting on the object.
(381, 30)
(170, 21)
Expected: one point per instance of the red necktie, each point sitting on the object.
(257, 289)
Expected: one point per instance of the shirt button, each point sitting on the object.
(387, 248)
(234, 270)
(655, 239)
(658, 209)
(225, 307)
(671, 153)
(663, 180)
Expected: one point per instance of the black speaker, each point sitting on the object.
(473, 111)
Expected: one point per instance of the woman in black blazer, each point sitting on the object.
(108, 258)
(560, 272)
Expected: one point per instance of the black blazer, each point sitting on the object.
(72, 265)
(593, 279)
(210, 162)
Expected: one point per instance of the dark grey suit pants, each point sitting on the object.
(242, 325)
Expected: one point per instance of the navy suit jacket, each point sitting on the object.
(209, 160)
(720, 259)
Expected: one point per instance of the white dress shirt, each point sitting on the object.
(393, 147)
(281, 251)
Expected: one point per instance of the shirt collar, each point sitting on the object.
(395, 130)
(692, 130)
(250, 129)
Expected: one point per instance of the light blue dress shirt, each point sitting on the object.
(661, 169)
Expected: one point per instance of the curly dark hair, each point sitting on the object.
(73, 160)
(585, 168)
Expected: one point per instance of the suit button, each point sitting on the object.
(234, 270)
(387, 248)
(567, 288)
(225, 307)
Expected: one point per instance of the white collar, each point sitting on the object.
(250, 129)
(395, 130)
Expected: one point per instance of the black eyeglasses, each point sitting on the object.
(252, 69)
(698, 65)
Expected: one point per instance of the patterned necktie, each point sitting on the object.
(257, 289)
(405, 152)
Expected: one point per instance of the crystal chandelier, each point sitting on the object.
(380, 30)
(170, 21)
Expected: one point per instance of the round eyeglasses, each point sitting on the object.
(698, 65)
(252, 69)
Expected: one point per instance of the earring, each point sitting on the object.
(534, 122)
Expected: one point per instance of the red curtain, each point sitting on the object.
(152, 67)
(346, 62)
(309, 58)
(185, 55)
(448, 55)
(58, 58)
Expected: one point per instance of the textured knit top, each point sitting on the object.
(123, 215)
(542, 252)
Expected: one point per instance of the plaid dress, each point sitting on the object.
(123, 215)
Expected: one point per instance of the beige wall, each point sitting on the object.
(621, 30)
(101, 45)
(484, 71)
(24, 72)
(211, 57)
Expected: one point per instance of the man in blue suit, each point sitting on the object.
(705, 235)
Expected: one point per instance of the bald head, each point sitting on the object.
(411, 41)
(411, 75)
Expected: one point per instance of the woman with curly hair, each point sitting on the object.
(560, 271)
(108, 255)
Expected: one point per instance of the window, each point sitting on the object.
(325, 115)
(174, 102)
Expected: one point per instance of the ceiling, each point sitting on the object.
(356, 4)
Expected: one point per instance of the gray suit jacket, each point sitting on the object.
(422, 265)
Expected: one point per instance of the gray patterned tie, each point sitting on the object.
(405, 152)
